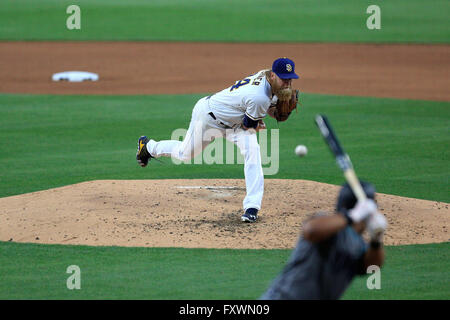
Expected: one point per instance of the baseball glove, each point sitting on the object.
(285, 106)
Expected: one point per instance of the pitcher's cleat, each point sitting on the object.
(250, 215)
(142, 155)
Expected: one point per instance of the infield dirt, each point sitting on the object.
(394, 71)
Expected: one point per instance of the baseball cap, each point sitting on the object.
(284, 68)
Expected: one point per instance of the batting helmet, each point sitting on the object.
(347, 199)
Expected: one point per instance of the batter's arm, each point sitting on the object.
(321, 228)
(374, 256)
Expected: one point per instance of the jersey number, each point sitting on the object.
(240, 83)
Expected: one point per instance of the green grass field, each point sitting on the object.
(402, 146)
(232, 20)
(33, 271)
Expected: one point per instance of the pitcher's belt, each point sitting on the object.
(214, 117)
(220, 122)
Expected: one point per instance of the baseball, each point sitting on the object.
(301, 150)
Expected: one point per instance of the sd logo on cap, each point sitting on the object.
(284, 68)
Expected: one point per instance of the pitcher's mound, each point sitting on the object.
(196, 214)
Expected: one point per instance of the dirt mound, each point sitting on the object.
(196, 214)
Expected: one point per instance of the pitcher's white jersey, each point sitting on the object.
(251, 96)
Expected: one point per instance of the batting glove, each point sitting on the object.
(376, 226)
(362, 210)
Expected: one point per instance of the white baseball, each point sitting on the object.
(301, 150)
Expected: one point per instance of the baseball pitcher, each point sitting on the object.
(237, 112)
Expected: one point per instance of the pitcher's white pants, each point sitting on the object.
(195, 141)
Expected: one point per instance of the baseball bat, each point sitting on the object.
(342, 159)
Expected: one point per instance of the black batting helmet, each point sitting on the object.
(347, 199)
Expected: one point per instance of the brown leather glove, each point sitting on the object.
(284, 108)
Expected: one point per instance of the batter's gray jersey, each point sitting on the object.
(320, 270)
